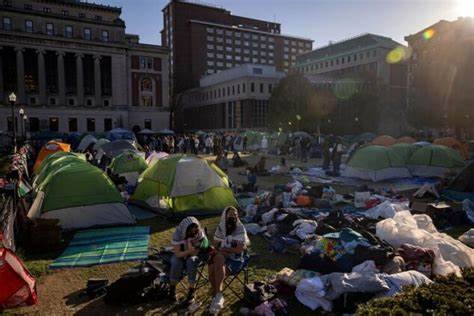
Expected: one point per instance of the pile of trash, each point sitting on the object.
(356, 247)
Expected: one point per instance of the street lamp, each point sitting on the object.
(12, 99)
(22, 115)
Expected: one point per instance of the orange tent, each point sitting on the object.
(406, 140)
(48, 149)
(384, 140)
(453, 143)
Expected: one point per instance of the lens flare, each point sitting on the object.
(298, 117)
(428, 34)
(398, 54)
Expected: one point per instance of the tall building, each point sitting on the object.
(204, 40)
(73, 68)
(231, 99)
(441, 75)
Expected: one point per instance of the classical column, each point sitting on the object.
(98, 93)
(79, 79)
(41, 76)
(20, 75)
(61, 78)
(2, 93)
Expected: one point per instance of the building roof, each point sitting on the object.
(243, 29)
(86, 4)
(245, 70)
(351, 44)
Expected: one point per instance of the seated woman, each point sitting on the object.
(230, 241)
(188, 240)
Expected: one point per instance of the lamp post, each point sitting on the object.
(22, 115)
(12, 99)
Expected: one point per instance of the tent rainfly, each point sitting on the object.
(434, 161)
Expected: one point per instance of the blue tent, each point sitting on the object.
(120, 133)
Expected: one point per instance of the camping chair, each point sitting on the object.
(241, 276)
(164, 255)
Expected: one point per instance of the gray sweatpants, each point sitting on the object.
(177, 265)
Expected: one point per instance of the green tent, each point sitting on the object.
(128, 161)
(376, 163)
(184, 184)
(80, 195)
(434, 161)
(47, 160)
(55, 164)
(404, 150)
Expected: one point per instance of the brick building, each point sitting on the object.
(73, 68)
(204, 40)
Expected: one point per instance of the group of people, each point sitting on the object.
(226, 254)
(332, 153)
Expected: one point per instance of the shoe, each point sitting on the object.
(217, 303)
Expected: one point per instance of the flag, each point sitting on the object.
(23, 188)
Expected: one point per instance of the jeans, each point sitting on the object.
(177, 265)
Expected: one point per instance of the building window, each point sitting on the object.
(105, 36)
(65, 12)
(106, 102)
(68, 31)
(91, 124)
(70, 102)
(82, 15)
(46, 10)
(148, 123)
(147, 100)
(87, 34)
(89, 102)
(29, 26)
(252, 87)
(374, 53)
(72, 124)
(270, 88)
(28, 7)
(53, 124)
(98, 18)
(261, 88)
(33, 124)
(146, 85)
(7, 23)
(107, 124)
(52, 101)
(49, 29)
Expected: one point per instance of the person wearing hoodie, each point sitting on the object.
(230, 242)
(188, 240)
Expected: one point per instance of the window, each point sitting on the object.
(210, 46)
(49, 29)
(252, 87)
(374, 53)
(243, 87)
(348, 59)
(233, 90)
(146, 85)
(34, 124)
(98, 18)
(7, 23)
(89, 102)
(210, 30)
(52, 101)
(106, 102)
(105, 36)
(210, 55)
(91, 124)
(228, 49)
(47, 10)
(148, 123)
(228, 90)
(237, 34)
(82, 15)
(107, 124)
(238, 89)
(68, 31)
(29, 26)
(210, 38)
(70, 102)
(261, 88)
(72, 124)
(65, 12)
(53, 124)
(228, 41)
(87, 34)
(270, 88)
(28, 7)
(147, 100)
(219, 31)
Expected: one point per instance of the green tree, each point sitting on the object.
(295, 105)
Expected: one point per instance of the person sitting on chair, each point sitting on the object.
(230, 241)
(188, 239)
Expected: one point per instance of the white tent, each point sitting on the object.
(86, 142)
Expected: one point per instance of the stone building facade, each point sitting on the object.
(231, 99)
(74, 69)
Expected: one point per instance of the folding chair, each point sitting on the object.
(232, 276)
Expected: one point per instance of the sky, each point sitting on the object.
(319, 20)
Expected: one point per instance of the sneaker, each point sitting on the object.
(217, 303)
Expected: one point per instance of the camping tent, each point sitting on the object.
(376, 163)
(128, 164)
(406, 140)
(55, 156)
(434, 161)
(86, 142)
(49, 166)
(48, 149)
(147, 131)
(462, 187)
(80, 195)
(384, 140)
(101, 142)
(166, 132)
(120, 133)
(453, 143)
(17, 286)
(114, 148)
(422, 144)
(155, 156)
(404, 150)
(185, 184)
(365, 137)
